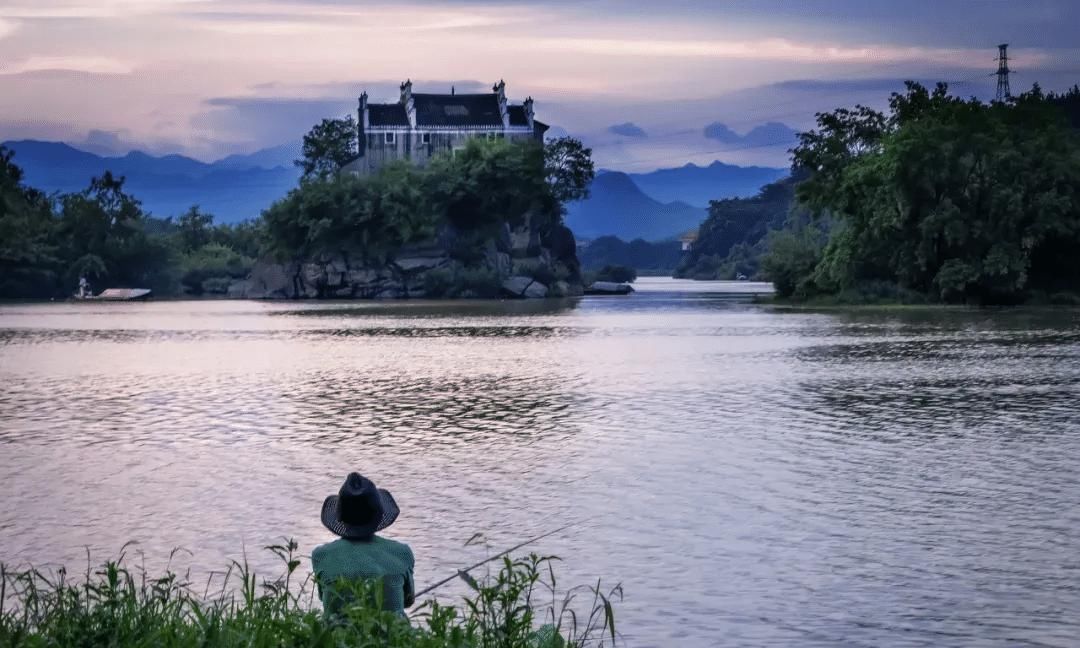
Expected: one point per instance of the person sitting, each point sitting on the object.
(356, 513)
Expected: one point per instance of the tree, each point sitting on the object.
(489, 182)
(102, 234)
(569, 170)
(28, 261)
(195, 228)
(328, 146)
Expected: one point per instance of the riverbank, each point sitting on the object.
(118, 604)
(1058, 300)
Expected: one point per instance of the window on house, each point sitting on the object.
(389, 138)
(491, 136)
(427, 138)
(500, 135)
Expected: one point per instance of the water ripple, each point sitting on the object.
(754, 476)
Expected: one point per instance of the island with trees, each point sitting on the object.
(486, 221)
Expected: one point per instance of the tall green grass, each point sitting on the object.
(513, 606)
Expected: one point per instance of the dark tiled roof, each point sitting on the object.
(387, 115)
(457, 110)
(517, 116)
(540, 126)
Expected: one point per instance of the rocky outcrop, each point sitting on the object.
(524, 287)
(525, 260)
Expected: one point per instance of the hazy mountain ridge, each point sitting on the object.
(697, 185)
(233, 189)
(652, 206)
(617, 206)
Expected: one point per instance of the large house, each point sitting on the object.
(421, 126)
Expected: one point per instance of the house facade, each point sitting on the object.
(421, 126)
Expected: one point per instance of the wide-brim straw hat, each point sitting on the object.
(360, 509)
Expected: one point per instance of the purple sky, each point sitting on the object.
(638, 80)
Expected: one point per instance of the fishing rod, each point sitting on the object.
(462, 572)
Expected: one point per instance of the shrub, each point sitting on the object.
(617, 273)
(790, 263)
(212, 261)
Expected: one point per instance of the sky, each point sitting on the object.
(647, 84)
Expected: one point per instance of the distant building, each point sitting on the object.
(688, 240)
(420, 126)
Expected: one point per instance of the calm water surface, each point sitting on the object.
(753, 476)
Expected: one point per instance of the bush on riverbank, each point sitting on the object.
(614, 273)
(116, 605)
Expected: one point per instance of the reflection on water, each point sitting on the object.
(754, 476)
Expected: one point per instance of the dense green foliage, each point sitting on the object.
(470, 196)
(103, 234)
(940, 199)
(29, 261)
(1070, 103)
(660, 257)
(117, 606)
(371, 216)
(732, 239)
(943, 199)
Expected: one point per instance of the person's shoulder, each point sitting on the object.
(323, 550)
(400, 549)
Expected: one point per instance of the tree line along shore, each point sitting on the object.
(939, 199)
(491, 212)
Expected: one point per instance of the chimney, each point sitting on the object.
(407, 100)
(500, 90)
(529, 111)
(362, 125)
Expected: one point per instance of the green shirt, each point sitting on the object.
(371, 560)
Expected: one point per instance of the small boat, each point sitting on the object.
(117, 294)
(608, 288)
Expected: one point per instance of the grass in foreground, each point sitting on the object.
(115, 605)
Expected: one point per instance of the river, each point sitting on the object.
(752, 475)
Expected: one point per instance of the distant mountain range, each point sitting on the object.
(235, 188)
(653, 206)
(696, 185)
(617, 206)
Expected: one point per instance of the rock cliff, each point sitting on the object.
(516, 262)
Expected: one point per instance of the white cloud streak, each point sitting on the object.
(769, 49)
(7, 28)
(85, 64)
(66, 9)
